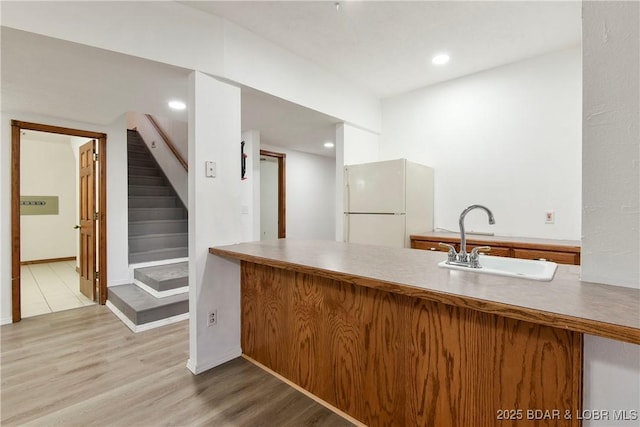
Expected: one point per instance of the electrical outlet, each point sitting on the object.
(212, 319)
(210, 169)
(549, 217)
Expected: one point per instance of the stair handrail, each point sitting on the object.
(167, 141)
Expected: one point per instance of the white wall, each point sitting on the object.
(260, 64)
(250, 188)
(611, 191)
(176, 131)
(117, 251)
(48, 169)
(508, 138)
(360, 146)
(310, 193)
(611, 150)
(214, 219)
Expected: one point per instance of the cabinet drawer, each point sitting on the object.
(428, 246)
(495, 250)
(559, 257)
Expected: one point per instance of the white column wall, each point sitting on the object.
(610, 194)
(250, 188)
(214, 219)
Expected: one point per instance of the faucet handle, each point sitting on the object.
(475, 251)
(451, 256)
(475, 255)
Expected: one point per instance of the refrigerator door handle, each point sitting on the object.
(347, 219)
(347, 191)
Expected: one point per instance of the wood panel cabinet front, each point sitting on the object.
(428, 246)
(392, 360)
(563, 252)
(494, 251)
(554, 256)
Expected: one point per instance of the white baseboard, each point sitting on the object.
(146, 326)
(223, 358)
(160, 294)
(6, 320)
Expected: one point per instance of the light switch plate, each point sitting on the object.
(210, 168)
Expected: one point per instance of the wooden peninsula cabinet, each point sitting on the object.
(559, 251)
(391, 339)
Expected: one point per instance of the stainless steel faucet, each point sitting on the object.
(462, 257)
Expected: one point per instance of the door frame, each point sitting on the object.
(282, 190)
(16, 127)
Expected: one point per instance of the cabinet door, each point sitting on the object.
(430, 245)
(559, 257)
(495, 250)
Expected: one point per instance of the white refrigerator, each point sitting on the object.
(385, 202)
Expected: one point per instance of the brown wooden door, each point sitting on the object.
(87, 220)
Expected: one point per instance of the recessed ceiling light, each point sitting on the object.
(177, 105)
(440, 59)
(329, 144)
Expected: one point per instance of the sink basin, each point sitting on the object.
(511, 267)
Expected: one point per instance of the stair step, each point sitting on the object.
(138, 155)
(158, 226)
(138, 228)
(141, 307)
(150, 190)
(150, 214)
(150, 242)
(146, 180)
(152, 202)
(164, 277)
(134, 148)
(158, 254)
(145, 163)
(144, 171)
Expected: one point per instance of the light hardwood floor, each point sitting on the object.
(83, 367)
(50, 287)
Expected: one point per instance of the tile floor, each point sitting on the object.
(47, 288)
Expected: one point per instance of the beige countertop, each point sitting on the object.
(565, 302)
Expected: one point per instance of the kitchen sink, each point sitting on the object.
(511, 267)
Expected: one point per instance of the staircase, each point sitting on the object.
(157, 217)
(158, 246)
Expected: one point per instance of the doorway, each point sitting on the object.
(95, 195)
(272, 195)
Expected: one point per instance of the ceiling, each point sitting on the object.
(56, 78)
(384, 47)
